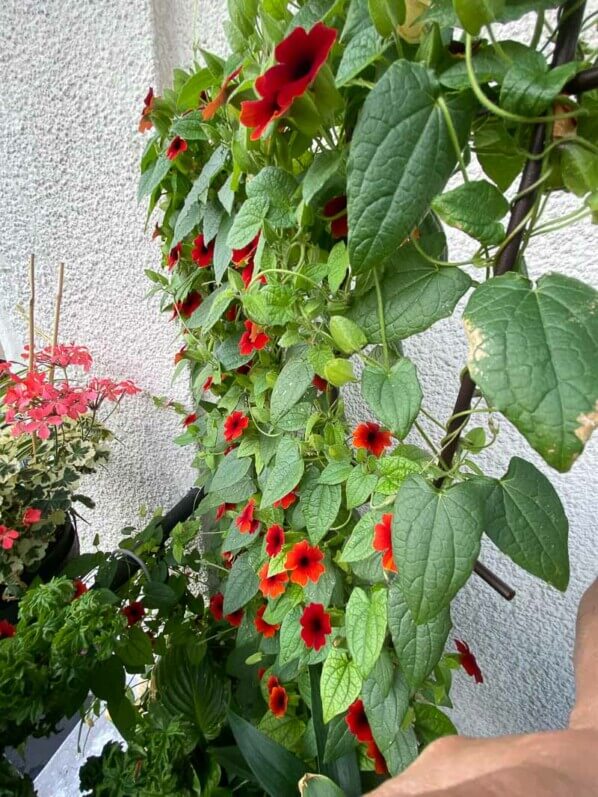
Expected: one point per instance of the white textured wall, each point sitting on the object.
(72, 79)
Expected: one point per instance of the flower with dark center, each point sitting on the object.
(262, 627)
(305, 563)
(272, 682)
(235, 425)
(243, 255)
(272, 586)
(176, 146)
(234, 618)
(358, 723)
(134, 612)
(174, 256)
(370, 436)
(278, 701)
(216, 604)
(315, 626)
(188, 306)
(468, 661)
(203, 254)
(274, 540)
(383, 542)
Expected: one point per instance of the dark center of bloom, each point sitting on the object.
(302, 68)
(316, 625)
(372, 436)
(304, 561)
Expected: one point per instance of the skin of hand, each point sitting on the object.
(550, 764)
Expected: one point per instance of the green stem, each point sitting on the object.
(426, 438)
(538, 29)
(453, 135)
(434, 261)
(570, 218)
(381, 319)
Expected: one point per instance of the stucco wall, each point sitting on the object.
(72, 79)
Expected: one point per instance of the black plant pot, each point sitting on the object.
(61, 550)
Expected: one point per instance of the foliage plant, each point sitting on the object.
(51, 434)
(302, 186)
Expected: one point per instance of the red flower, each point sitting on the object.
(201, 253)
(379, 762)
(370, 436)
(176, 146)
(222, 509)
(259, 113)
(208, 383)
(336, 209)
(216, 604)
(358, 723)
(304, 562)
(278, 701)
(383, 542)
(286, 501)
(260, 673)
(31, 516)
(272, 683)
(468, 661)
(235, 618)
(145, 123)
(262, 627)
(243, 369)
(272, 586)
(274, 540)
(247, 275)
(191, 418)
(6, 629)
(315, 625)
(8, 537)
(243, 255)
(210, 109)
(234, 425)
(253, 339)
(134, 612)
(180, 355)
(228, 558)
(174, 256)
(319, 383)
(245, 521)
(79, 587)
(231, 313)
(188, 306)
(300, 57)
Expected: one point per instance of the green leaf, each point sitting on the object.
(286, 730)
(363, 49)
(359, 487)
(385, 697)
(418, 647)
(387, 15)
(226, 195)
(473, 16)
(212, 309)
(134, 649)
(319, 786)
(497, 152)
(347, 336)
(292, 382)
(325, 165)
(296, 418)
(107, 679)
(526, 520)
(548, 388)
(339, 372)
(366, 627)
(285, 474)
(276, 769)
(488, 67)
(475, 208)
(393, 471)
(401, 157)
(228, 353)
(579, 168)
(415, 295)
(291, 644)
(152, 177)
(360, 544)
(123, 715)
(212, 219)
(431, 723)
(312, 11)
(230, 471)
(394, 396)
(530, 85)
(271, 306)
(436, 540)
(194, 691)
(320, 504)
(191, 128)
(198, 193)
(277, 188)
(339, 741)
(189, 96)
(336, 473)
(340, 683)
(248, 222)
(157, 595)
(242, 584)
(222, 251)
(338, 265)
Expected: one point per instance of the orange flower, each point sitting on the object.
(272, 586)
(383, 542)
(279, 701)
(262, 627)
(370, 436)
(304, 562)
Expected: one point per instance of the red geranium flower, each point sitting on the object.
(286, 501)
(201, 253)
(262, 627)
(208, 383)
(272, 682)
(134, 612)
(278, 701)
(235, 618)
(7, 629)
(210, 109)
(272, 586)
(31, 516)
(315, 625)
(8, 537)
(245, 522)
(383, 542)
(145, 123)
(191, 418)
(370, 436)
(224, 508)
(174, 256)
(188, 306)
(319, 383)
(216, 604)
(357, 722)
(379, 762)
(274, 540)
(304, 562)
(243, 255)
(176, 146)
(468, 661)
(234, 425)
(336, 209)
(79, 587)
(253, 339)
